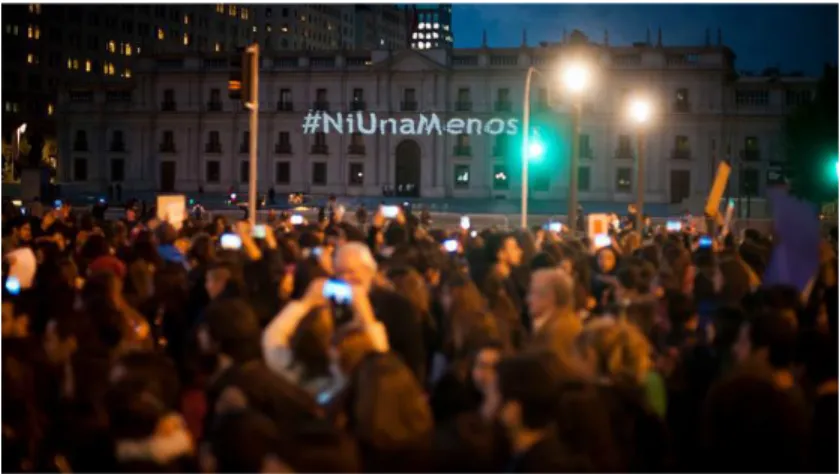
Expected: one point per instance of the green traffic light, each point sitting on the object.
(536, 150)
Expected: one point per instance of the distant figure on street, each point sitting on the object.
(271, 195)
(361, 215)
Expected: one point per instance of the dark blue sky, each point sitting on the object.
(795, 37)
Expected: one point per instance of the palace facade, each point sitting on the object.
(175, 129)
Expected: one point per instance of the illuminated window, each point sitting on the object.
(75, 64)
(244, 15)
(30, 58)
(87, 65)
(128, 49)
(30, 32)
(37, 9)
(112, 47)
(69, 63)
(217, 47)
(160, 34)
(220, 8)
(50, 109)
(268, 28)
(37, 32)
(254, 28)
(232, 10)
(186, 19)
(186, 39)
(284, 29)
(127, 73)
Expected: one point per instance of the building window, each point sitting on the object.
(80, 171)
(80, 143)
(319, 174)
(245, 146)
(214, 143)
(160, 33)
(319, 145)
(625, 149)
(503, 100)
(500, 177)
(168, 144)
(244, 171)
(464, 104)
(117, 169)
(682, 148)
(357, 174)
(583, 178)
(797, 97)
(117, 141)
(681, 102)
(409, 100)
(213, 171)
(749, 182)
(680, 186)
(623, 180)
(462, 145)
(751, 149)
(462, 176)
(282, 172)
(585, 148)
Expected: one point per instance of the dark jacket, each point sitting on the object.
(403, 323)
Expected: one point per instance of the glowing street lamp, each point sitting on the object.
(640, 112)
(576, 77)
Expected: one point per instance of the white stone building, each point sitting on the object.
(177, 130)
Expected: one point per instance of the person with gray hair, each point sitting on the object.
(551, 305)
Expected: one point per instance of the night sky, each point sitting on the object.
(793, 37)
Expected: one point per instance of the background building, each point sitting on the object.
(177, 130)
(46, 46)
(431, 26)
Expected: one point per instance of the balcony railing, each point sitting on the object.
(322, 105)
(750, 155)
(463, 150)
(463, 106)
(408, 105)
(214, 106)
(169, 106)
(502, 106)
(167, 148)
(357, 105)
(117, 147)
(283, 148)
(681, 154)
(682, 107)
(284, 106)
(356, 150)
(213, 148)
(319, 149)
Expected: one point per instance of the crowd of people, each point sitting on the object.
(136, 345)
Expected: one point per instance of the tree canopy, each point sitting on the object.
(811, 137)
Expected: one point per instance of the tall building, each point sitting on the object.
(49, 46)
(431, 26)
(178, 130)
(331, 27)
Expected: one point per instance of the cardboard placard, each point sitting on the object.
(718, 188)
(597, 224)
(172, 209)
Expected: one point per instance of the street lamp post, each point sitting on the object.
(576, 79)
(640, 113)
(526, 151)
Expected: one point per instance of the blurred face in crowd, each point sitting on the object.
(14, 325)
(58, 351)
(352, 268)
(540, 294)
(24, 232)
(484, 369)
(216, 281)
(742, 349)
(510, 253)
(606, 261)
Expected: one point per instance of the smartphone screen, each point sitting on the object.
(673, 226)
(602, 240)
(705, 242)
(555, 226)
(231, 242)
(297, 219)
(57, 204)
(465, 222)
(450, 245)
(13, 285)
(259, 231)
(340, 295)
(390, 212)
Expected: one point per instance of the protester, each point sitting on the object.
(151, 346)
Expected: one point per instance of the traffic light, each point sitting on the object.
(536, 147)
(239, 84)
